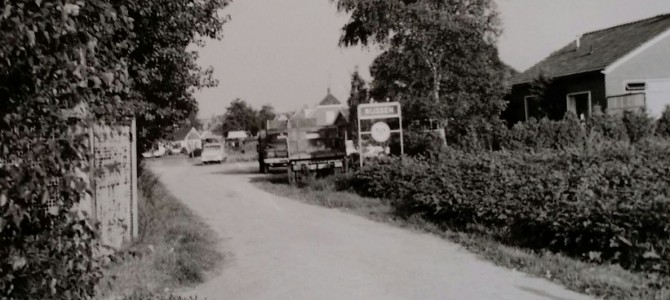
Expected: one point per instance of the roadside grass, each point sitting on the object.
(175, 249)
(602, 281)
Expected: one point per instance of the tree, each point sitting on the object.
(194, 122)
(357, 95)
(546, 97)
(55, 56)
(266, 113)
(163, 71)
(240, 116)
(118, 59)
(439, 55)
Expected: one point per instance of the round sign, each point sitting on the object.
(381, 132)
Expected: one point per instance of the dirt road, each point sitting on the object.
(284, 249)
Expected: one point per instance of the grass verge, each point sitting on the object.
(603, 281)
(175, 248)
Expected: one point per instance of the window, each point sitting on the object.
(636, 86)
(531, 107)
(580, 104)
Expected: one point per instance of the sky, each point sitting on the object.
(285, 52)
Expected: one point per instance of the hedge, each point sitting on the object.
(611, 204)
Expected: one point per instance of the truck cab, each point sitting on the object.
(273, 146)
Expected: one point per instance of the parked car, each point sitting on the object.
(212, 153)
(175, 148)
(160, 151)
(155, 152)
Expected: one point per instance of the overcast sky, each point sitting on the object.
(285, 52)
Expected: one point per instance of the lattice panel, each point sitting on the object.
(112, 148)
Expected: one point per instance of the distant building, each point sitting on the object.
(189, 139)
(626, 67)
(235, 139)
(327, 112)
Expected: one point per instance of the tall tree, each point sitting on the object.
(240, 116)
(163, 69)
(439, 53)
(266, 113)
(357, 95)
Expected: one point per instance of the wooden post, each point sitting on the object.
(134, 197)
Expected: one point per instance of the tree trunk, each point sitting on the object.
(437, 82)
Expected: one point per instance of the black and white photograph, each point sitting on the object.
(334, 149)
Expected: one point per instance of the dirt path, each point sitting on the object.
(284, 249)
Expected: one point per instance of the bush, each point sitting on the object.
(663, 124)
(608, 126)
(638, 125)
(545, 134)
(611, 206)
(421, 143)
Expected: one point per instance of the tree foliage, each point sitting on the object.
(240, 116)
(357, 95)
(54, 56)
(439, 57)
(163, 70)
(266, 113)
(112, 59)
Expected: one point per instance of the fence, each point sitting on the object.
(114, 182)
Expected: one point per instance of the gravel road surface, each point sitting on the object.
(279, 248)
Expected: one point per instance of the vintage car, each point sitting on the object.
(212, 153)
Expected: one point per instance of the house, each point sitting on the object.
(235, 139)
(626, 67)
(187, 139)
(326, 113)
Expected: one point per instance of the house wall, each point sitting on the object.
(593, 82)
(652, 63)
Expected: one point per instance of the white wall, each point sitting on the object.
(652, 63)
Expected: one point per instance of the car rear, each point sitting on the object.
(212, 153)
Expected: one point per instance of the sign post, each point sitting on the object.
(379, 114)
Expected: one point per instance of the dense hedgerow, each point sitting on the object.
(65, 65)
(612, 205)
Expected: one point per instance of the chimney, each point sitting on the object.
(578, 41)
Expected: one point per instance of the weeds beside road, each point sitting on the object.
(175, 248)
(607, 281)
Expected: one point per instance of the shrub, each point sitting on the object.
(421, 143)
(663, 124)
(610, 206)
(638, 125)
(545, 134)
(609, 126)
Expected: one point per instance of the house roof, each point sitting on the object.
(329, 100)
(237, 135)
(597, 50)
(326, 115)
(182, 133)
